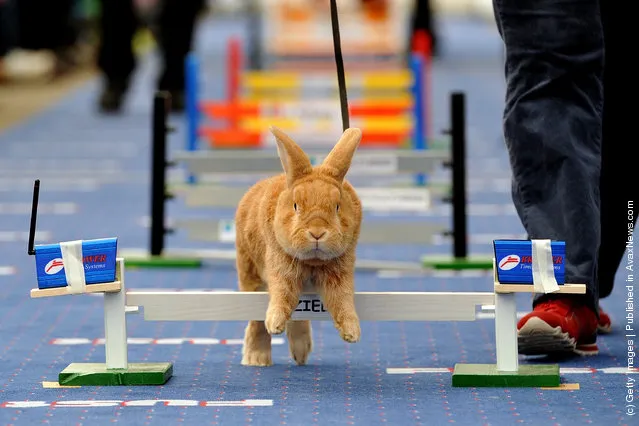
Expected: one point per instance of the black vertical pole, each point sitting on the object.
(255, 36)
(458, 141)
(158, 171)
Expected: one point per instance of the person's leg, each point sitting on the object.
(552, 129)
(63, 36)
(7, 33)
(116, 58)
(424, 19)
(618, 187)
(175, 37)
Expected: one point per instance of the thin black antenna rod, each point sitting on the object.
(339, 62)
(34, 216)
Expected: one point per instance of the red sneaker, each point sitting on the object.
(605, 324)
(558, 326)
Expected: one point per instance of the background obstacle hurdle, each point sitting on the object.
(201, 164)
(389, 106)
(373, 35)
(244, 306)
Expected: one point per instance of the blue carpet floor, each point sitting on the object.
(95, 183)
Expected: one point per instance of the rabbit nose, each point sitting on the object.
(317, 234)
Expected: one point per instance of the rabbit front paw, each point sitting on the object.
(275, 321)
(349, 329)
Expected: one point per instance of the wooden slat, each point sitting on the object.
(113, 287)
(529, 288)
(370, 306)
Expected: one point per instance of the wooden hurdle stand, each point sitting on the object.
(244, 306)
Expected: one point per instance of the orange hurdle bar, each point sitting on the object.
(237, 138)
(231, 111)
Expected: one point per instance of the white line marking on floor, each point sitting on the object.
(96, 403)
(56, 385)
(74, 341)
(18, 236)
(7, 270)
(491, 315)
(562, 370)
(43, 208)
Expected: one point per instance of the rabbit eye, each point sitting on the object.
(295, 206)
(337, 208)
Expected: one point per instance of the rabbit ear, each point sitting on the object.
(338, 161)
(294, 160)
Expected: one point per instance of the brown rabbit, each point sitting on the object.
(298, 228)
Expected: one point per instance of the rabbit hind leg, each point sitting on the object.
(256, 351)
(300, 340)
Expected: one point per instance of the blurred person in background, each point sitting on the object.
(424, 19)
(573, 181)
(174, 32)
(7, 34)
(47, 25)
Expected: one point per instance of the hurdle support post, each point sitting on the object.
(458, 142)
(233, 74)
(159, 164)
(193, 115)
(419, 132)
(116, 370)
(115, 335)
(507, 372)
(460, 258)
(255, 26)
(506, 332)
(155, 256)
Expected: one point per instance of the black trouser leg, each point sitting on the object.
(552, 125)
(116, 59)
(175, 37)
(618, 185)
(423, 19)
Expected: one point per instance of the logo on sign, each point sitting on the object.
(94, 262)
(310, 305)
(54, 266)
(509, 262)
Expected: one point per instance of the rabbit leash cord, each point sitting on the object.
(339, 62)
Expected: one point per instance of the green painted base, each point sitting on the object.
(458, 264)
(487, 376)
(162, 262)
(147, 374)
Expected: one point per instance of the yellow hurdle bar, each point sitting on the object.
(377, 124)
(297, 96)
(380, 80)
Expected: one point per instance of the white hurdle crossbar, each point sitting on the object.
(244, 306)
(417, 199)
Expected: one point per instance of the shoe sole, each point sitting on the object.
(537, 337)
